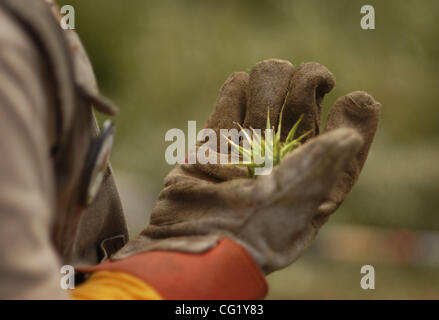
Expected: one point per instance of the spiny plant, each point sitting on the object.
(255, 155)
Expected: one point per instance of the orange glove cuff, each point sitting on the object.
(225, 272)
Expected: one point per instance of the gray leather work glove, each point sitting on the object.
(276, 216)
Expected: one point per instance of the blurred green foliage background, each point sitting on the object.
(163, 62)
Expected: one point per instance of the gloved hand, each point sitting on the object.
(274, 217)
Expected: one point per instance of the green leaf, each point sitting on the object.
(245, 164)
(268, 119)
(245, 134)
(303, 135)
(251, 172)
(260, 140)
(276, 150)
(288, 148)
(279, 126)
(293, 130)
(242, 151)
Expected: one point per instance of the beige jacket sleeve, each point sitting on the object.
(29, 266)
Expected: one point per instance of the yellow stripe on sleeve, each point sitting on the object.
(111, 285)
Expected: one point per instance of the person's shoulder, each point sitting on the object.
(23, 71)
(14, 39)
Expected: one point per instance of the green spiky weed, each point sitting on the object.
(277, 150)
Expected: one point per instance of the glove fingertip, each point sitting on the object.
(231, 103)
